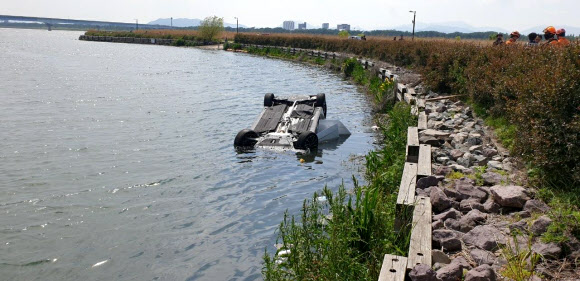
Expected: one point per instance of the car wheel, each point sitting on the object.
(320, 100)
(269, 99)
(306, 140)
(246, 137)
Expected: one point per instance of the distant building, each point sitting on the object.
(288, 25)
(325, 25)
(302, 25)
(343, 27)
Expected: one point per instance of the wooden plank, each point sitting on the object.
(406, 199)
(412, 153)
(393, 268)
(420, 245)
(413, 136)
(401, 88)
(410, 99)
(422, 123)
(406, 194)
(424, 165)
(444, 98)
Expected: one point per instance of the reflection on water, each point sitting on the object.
(118, 163)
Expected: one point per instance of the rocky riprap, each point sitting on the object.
(479, 207)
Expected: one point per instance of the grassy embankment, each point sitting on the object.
(531, 96)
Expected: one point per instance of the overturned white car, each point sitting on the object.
(296, 122)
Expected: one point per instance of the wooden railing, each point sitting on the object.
(417, 210)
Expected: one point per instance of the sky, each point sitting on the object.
(366, 14)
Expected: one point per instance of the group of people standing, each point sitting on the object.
(552, 36)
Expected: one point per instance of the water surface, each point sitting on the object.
(117, 161)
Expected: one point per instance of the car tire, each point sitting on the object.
(306, 140)
(268, 99)
(320, 100)
(245, 138)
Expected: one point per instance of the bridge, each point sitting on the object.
(50, 22)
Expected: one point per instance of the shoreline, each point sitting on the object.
(475, 195)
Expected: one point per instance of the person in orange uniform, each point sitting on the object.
(549, 35)
(562, 40)
(514, 36)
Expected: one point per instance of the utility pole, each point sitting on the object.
(414, 17)
(171, 21)
(237, 28)
(136, 24)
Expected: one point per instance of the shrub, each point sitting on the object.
(210, 28)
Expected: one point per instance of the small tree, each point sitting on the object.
(210, 28)
(343, 34)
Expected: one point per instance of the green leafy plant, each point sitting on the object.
(210, 28)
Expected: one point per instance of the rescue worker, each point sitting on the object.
(549, 35)
(562, 40)
(514, 36)
(538, 39)
(499, 40)
(532, 39)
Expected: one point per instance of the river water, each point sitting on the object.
(117, 163)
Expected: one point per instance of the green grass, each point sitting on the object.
(505, 131)
(351, 244)
(521, 263)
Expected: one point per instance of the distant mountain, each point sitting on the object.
(184, 22)
(446, 27)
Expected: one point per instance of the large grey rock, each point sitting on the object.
(479, 160)
(446, 239)
(485, 237)
(474, 216)
(449, 214)
(548, 251)
(439, 257)
(454, 224)
(457, 168)
(456, 154)
(442, 170)
(422, 272)
(466, 189)
(451, 193)
(439, 200)
(454, 270)
(482, 256)
(536, 206)
(465, 162)
(471, 204)
(427, 182)
(495, 165)
(491, 178)
(435, 133)
(489, 152)
(437, 225)
(481, 273)
(473, 140)
(509, 195)
(540, 225)
(491, 207)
